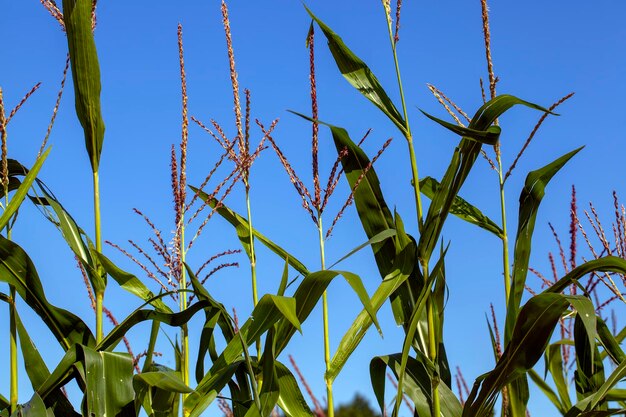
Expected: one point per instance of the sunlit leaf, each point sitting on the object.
(461, 208)
(359, 75)
(85, 74)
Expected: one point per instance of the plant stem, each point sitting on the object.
(407, 133)
(255, 294)
(505, 237)
(329, 383)
(13, 390)
(96, 213)
(13, 351)
(182, 299)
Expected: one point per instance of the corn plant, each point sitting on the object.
(411, 264)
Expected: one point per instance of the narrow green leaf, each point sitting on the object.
(85, 74)
(587, 314)
(461, 164)
(611, 343)
(417, 384)
(22, 190)
(169, 381)
(359, 75)
(241, 227)
(17, 270)
(290, 398)
(380, 237)
(38, 372)
(287, 307)
(605, 264)
(487, 137)
(131, 283)
(531, 334)
(362, 323)
(376, 218)
(547, 391)
(461, 208)
(554, 365)
(530, 199)
(73, 235)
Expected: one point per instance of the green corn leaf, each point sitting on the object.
(534, 326)
(169, 381)
(461, 208)
(270, 390)
(73, 235)
(85, 74)
(380, 237)
(589, 404)
(547, 391)
(108, 380)
(4, 403)
(264, 316)
(589, 374)
(33, 408)
(461, 164)
(417, 320)
(376, 218)
(417, 384)
(17, 270)
(362, 323)
(38, 372)
(22, 190)
(131, 283)
(109, 389)
(359, 75)
(530, 199)
(610, 343)
(586, 313)
(487, 137)
(290, 398)
(554, 365)
(140, 315)
(241, 227)
(158, 391)
(605, 264)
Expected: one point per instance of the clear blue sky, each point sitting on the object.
(542, 51)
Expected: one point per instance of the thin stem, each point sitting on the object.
(407, 130)
(433, 343)
(13, 352)
(329, 383)
(98, 226)
(505, 237)
(182, 299)
(255, 294)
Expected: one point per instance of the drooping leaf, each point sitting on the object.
(265, 316)
(531, 334)
(380, 237)
(462, 162)
(487, 137)
(85, 74)
(589, 373)
(17, 270)
(530, 199)
(38, 372)
(241, 227)
(359, 75)
(417, 384)
(290, 398)
(547, 391)
(376, 218)
(131, 283)
(554, 365)
(73, 235)
(461, 208)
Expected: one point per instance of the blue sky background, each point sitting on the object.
(541, 51)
